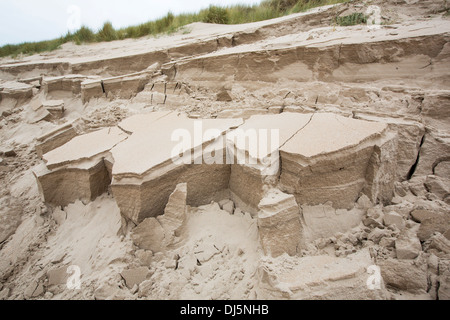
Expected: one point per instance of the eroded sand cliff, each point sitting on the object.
(350, 176)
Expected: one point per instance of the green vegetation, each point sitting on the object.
(352, 19)
(267, 9)
(216, 15)
(84, 35)
(31, 47)
(107, 33)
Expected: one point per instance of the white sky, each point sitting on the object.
(35, 20)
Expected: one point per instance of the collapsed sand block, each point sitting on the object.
(91, 89)
(381, 171)
(410, 133)
(440, 186)
(147, 197)
(407, 245)
(144, 179)
(439, 243)
(275, 109)
(158, 93)
(254, 148)
(442, 168)
(127, 86)
(157, 233)
(86, 147)
(435, 149)
(408, 275)
(55, 108)
(123, 87)
(57, 276)
(66, 185)
(312, 186)
(49, 110)
(163, 92)
(50, 114)
(36, 103)
(58, 137)
(323, 221)
(444, 280)
(434, 224)
(134, 277)
(77, 170)
(70, 83)
(328, 161)
(319, 277)
(15, 90)
(142, 199)
(149, 235)
(36, 82)
(227, 205)
(109, 163)
(279, 226)
(246, 187)
(175, 211)
(223, 95)
(324, 157)
(435, 108)
(40, 114)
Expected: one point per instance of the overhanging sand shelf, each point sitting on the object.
(77, 170)
(144, 171)
(319, 158)
(335, 158)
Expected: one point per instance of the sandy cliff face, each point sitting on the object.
(316, 162)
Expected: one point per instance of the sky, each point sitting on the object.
(31, 20)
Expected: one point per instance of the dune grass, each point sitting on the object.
(351, 19)
(267, 9)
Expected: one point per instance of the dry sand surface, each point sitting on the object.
(339, 189)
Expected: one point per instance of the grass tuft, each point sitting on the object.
(351, 19)
(84, 35)
(215, 14)
(107, 33)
